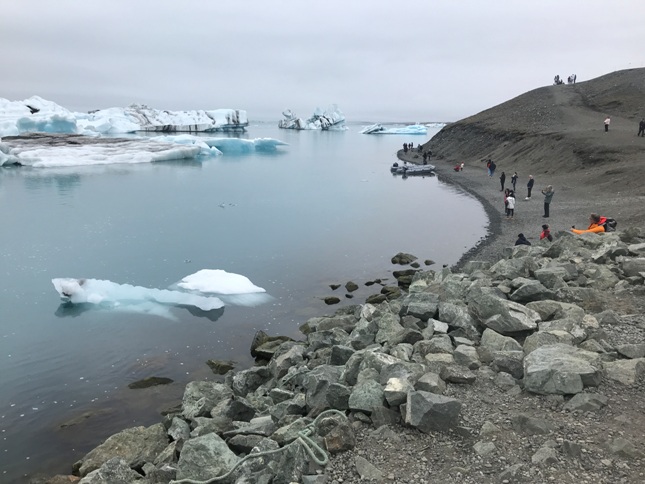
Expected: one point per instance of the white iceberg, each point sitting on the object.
(230, 287)
(380, 129)
(330, 119)
(37, 114)
(139, 117)
(59, 150)
(204, 291)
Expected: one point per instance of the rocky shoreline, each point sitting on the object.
(512, 371)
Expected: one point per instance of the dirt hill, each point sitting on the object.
(558, 132)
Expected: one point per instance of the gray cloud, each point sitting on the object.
(410, 60)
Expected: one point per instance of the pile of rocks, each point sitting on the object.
(534, 323)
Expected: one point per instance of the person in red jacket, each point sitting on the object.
(546, 233)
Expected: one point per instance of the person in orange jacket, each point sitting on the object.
(596, 225)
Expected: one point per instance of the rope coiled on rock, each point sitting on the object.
(303, 439)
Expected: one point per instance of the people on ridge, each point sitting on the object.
(607, 122)
(529, 187)
(548, 196)
(521, 240)
(502, 180)
(596, 225)
(641, 128)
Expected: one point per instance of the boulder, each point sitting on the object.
(561, 369)
(429, 411)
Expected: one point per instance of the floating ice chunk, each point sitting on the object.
(111, 294)
(330, 119)
(237, 145)
(218, 281)
(231, 288)
(380, 129)
(58, 150)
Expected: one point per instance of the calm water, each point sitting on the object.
(323, 210)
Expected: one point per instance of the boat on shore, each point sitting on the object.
(409, 169)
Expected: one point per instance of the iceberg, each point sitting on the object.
(38, 114)
(202, 291)
(330, 119)
(41, 150)
(380, 129)
(139, 117)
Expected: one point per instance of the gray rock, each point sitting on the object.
(467, 356)
(366, 470)
(511, 362)
(545, 456)
(429, 411)
(114, 471)
(625, 371)
(457, 374)
(531, 291)
(135, 446)
(396, 391)
(366, 396)
(420, 305)
(432, 383)
(484, 448)
(634, 350)
(201, 396)
(205, 457)
(586, 402)
(545, 338)
(624, 448)
(504, 317)
(531, 425)
(494, 341)
(561, 369)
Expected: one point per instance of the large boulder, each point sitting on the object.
(561, 369)
(429, 411)
(505, 317)
(204, 458)
(135, 446)
(422, 305)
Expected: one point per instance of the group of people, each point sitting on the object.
(570, 80)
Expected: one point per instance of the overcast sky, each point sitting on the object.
(378, 60)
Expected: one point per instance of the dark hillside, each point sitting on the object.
(558, 130)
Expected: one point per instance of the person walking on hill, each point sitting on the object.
(548, 196)
(514, 180)
(607, 121)
(529, 187)
(492, 168)
(641, 128)
(502, 180)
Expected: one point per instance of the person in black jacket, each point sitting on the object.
(529, 187)
(641, 128)
(502, 180)
(521, 240)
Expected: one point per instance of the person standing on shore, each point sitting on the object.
(641, 128)
(510, 205)
(529, 187)
(548, 196)
(502, 180)
(607, 121)
(514, 180)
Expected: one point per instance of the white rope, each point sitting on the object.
(311, 447)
